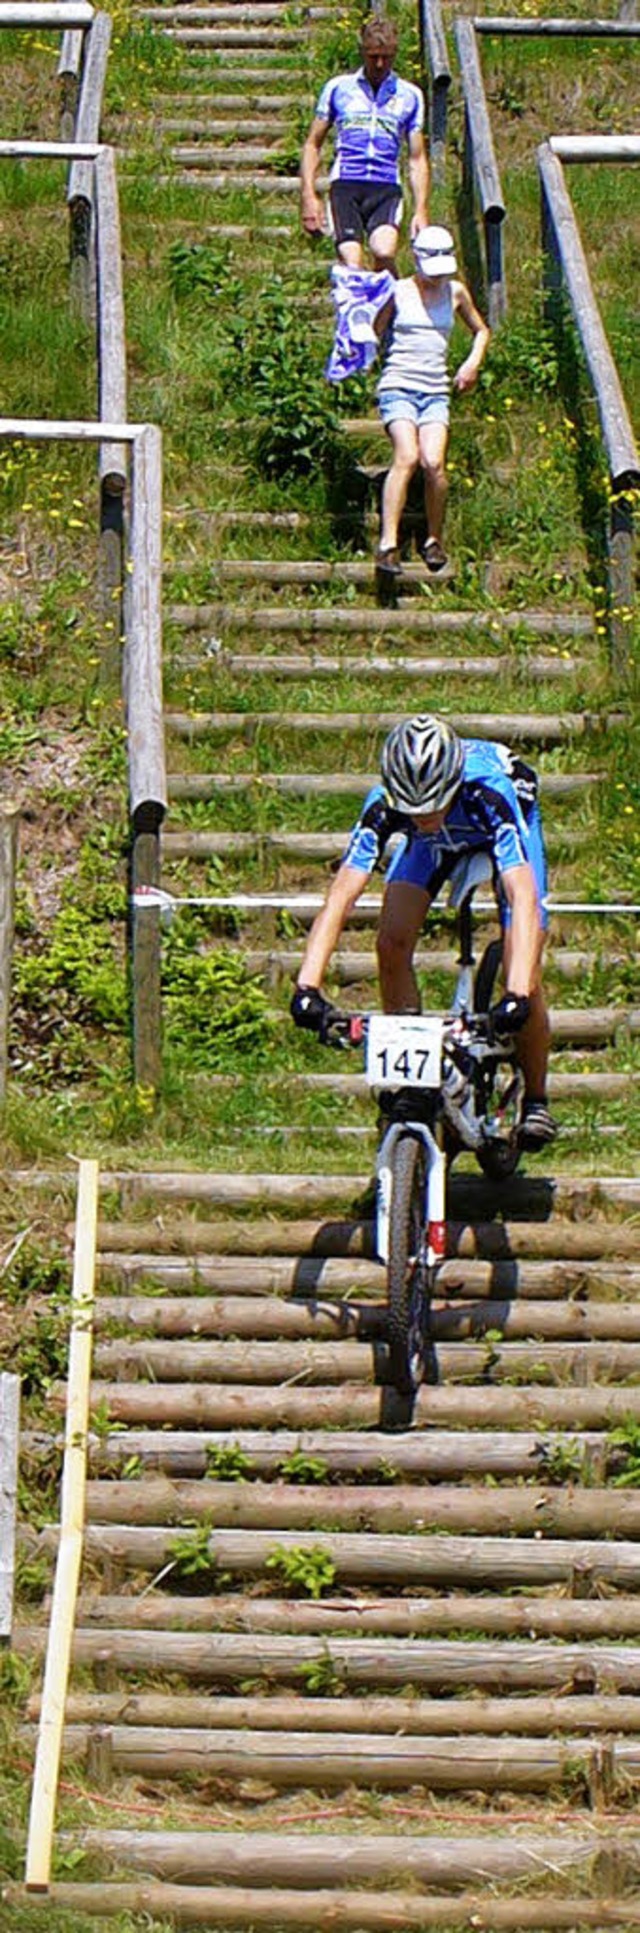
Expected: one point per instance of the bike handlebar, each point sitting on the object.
(345, 1030)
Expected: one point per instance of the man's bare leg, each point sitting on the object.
(350, 254)
(404, 910)
(383, 243)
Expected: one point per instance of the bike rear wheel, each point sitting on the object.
(407, 1287)
(497, 1158)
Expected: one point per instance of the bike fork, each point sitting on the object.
(434, 1212)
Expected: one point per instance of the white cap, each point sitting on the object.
(434, 250)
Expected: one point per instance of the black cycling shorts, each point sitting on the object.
(357, 207)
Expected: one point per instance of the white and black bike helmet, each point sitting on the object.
(422, 761)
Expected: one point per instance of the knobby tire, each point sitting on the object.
(405, 1229)
(500, 1160)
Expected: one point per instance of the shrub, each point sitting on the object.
(298, 428)
(212, 1006)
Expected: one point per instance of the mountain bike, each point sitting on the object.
(445, 1083)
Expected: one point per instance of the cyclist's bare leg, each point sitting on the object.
(533, 1040)
(404, 910)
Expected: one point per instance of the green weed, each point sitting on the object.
(301, 1567)
(227, 1462)
(623, 1455)
(190, 1555)
(321, 1678)
(301, 1468)
(560, 1460)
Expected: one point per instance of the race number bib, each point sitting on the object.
(404, 1050)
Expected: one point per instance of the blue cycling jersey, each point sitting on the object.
(370, 127)
(494, 811)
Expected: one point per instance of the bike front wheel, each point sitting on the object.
(407, 1285)
(498, 1156)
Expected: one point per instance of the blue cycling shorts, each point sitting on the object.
(429, 863)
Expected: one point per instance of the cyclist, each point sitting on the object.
(372, 112)
(446, 796)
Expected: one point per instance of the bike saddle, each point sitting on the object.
(473, 869)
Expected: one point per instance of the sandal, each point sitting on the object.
(434, 556)
(388, 559)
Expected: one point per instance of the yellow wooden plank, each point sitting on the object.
(72, 1506)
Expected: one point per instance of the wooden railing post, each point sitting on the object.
(69, 66)
(563, 242)
(435, 63)
(80, 188)
(146, 1000)
(112, 405)
(142, 684)
(9, 816)
(480, 168)
(621, 579)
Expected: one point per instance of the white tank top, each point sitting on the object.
(419, 338)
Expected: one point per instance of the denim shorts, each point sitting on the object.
(412, 406)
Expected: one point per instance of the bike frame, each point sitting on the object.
(472, 871)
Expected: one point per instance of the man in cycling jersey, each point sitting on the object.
(446, 796)
(372, 112)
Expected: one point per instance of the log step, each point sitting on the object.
(533, 1617)
(442, 1667)
(317, 1761)
(505, 1243)
(469, 1194)
(427, 1559)
(279, 665)
(541, 623)
(234, 105)
(318, 1365)
(317, 847)
(267, 126)
(425, 1717)
(245, 39)
(246, 1907)
(265, 1860)
(204, 785)
(349, 967)
(252, 1317)
(254, 183)
(201, 157)
(530, 728)
(483, 1406)
(462, 1509)
(437, 1455)
(242, 12)
(327, 1276)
